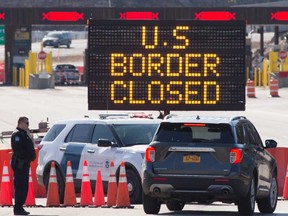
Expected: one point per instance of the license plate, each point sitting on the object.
(191, 158)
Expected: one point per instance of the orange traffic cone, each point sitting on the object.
(285, 190)
(5, 192)
(30, 199)
(86, 191)
(112, 187)
(99, 191)
(123, 199)
(53, 199)
(69, 196)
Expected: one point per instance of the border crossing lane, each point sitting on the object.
(215, 209)
(268, 114)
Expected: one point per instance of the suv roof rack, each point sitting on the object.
(125, 115)
(113, 115)
(177, 116)
(237, 118)
(169, 116)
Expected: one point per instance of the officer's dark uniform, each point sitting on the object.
(23, 154)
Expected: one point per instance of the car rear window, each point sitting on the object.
(198, 133)
(56, 35)
(66, 66)
(133, 134)
(53, 132)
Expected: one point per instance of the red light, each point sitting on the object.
(150, 154)
(280, 16)
(63, 16)
(139, 15)
(235, 156)
(194, 125)
(142, 115)
(2, 16)
(160, 179)
(222, 180)
(215, 15)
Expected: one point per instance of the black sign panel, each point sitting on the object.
(4, 16)
(79, 15)
(166, 65)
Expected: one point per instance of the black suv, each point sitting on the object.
(207, 159)
(57, 39)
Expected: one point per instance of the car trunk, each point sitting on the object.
(193, 150)
(192, 160)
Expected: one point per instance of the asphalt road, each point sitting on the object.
(269, 115)
(215, 209)
(73, 55)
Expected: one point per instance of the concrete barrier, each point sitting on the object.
(41, 81)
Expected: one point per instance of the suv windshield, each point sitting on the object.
(133, 134)
(200, 133)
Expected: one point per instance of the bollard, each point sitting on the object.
(250, 89)
(273, 85)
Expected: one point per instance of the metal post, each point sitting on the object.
(276, 35)
(261, 31)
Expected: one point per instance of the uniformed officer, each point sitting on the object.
(23, 153)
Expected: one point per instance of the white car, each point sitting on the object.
(66, 74)
(98, 141)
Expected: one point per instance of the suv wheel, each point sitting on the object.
(173, 205)
(68, 45)
(268, 204)
(151, 205)
(246, 204)
(134, 187)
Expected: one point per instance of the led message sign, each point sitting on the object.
(166, 65)
(49, 16)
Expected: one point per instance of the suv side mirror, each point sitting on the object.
(104, 143)
(270, 143)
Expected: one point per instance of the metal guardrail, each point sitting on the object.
(42, 128)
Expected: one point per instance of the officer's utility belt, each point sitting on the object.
(19, 163)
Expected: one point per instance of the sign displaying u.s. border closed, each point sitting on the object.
(166, 65)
